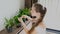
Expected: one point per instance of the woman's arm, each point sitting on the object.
(23, 24)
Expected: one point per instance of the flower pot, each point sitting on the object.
(10, 29)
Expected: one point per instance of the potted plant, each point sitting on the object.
(9, 24)
(16, 22)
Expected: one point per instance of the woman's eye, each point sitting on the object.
(33, 16)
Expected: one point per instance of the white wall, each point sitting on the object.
(52, 18)
(8, 8)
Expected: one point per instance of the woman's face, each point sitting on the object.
(35, 14)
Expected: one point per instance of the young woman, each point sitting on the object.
(37, 15)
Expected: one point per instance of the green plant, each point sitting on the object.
(9, 23)
(21, 12)
(24, 11)
(16, 20)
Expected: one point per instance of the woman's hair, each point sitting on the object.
(40, 9)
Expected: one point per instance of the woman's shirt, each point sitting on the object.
(40, 30)
(37, 30)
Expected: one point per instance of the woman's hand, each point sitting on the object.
(29, 18)
(20, 19)
(23, 24)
